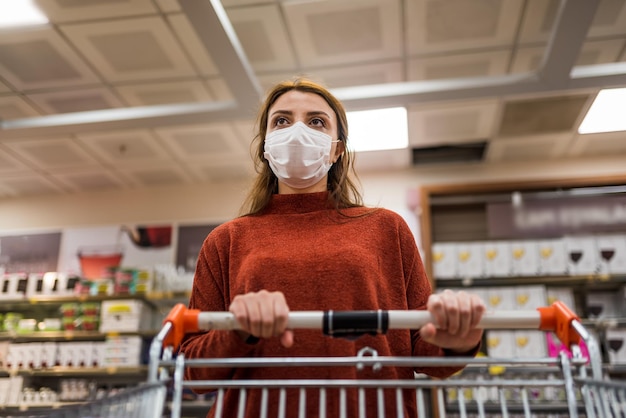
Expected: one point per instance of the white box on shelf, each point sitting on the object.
(530, 297)
(604, 304)
(563, 294)
(48, 354)
(469, 260)
(444, 260)
(552, 257)
(5, 385)
(122, 351)
(500, 344)
(496, 258)
(611, 252)
(14, 286)
(530, 343)
(502, 298)
(524, 258)
(125, 315)
(15, 390)
(583, 258)
(616, 345)
(4, 351)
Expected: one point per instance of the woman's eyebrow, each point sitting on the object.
(289, 113)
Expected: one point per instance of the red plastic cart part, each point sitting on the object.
(183, 321)
(558, 319)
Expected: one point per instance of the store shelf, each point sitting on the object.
(590, 282)
(139, 372)
(36, 336)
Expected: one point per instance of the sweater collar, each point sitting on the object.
(299, 203)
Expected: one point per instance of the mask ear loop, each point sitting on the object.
(343, 149)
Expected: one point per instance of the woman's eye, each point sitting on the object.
(280, 121)
(317, 122)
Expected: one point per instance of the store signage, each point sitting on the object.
(538, 218)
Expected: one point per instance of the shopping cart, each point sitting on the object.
(586, 391)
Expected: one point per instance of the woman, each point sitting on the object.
(307, 242)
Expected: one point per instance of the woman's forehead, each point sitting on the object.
(295, 101)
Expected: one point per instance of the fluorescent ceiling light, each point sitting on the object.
(14, 13)
(606, 114)
(379, 129)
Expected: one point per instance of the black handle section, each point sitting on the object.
(354, 324)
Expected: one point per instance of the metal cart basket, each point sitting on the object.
(585, 391)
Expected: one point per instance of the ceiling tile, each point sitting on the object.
(540, 17)
(192, 44)
(592, 52)
(610, 143)
(224, 171)
(168, 6)
(151, 175)
(203, 142)
(15, 107)
(165, 93)
(543, 115)
(452, 123)
(460, 24)
(528, 148)
(4, 88)
(50, 153)
(459, 66)
(60, 11)
(113, 47)
(327, 32)
(90, 180)
(69, 101)
(219, 89)
(11, 165)
(28, 186)
(40, 58)
(263, 36)
(123, 147)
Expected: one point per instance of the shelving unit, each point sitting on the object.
(457, 213)
(103, 378)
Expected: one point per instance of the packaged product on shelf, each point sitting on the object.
(524, 258)
(497, 258)
(470, 260)
(13, 286)
(125, 316)
(4, 350)
(500, 343)
(582, 256)
(26, 325)
(16, 383)
(122, 351)
(530, 343)
(444, 260)
(616, 345)
(11, 321)
(529, 297)
(5, 386)
(552, 257)
(611, 252)
(604, 304)
(48, 354)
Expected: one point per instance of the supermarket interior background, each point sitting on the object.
(126, 126)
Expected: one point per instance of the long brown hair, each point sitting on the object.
(344, 191)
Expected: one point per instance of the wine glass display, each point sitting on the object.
(594, 311)
(615, 345)
(575, 256)
(607, 255)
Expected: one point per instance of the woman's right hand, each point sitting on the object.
(263, 314)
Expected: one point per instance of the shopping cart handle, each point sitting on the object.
(556, 318)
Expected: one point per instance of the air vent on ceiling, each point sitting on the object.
(467, 152)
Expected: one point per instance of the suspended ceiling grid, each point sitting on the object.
(123, 94)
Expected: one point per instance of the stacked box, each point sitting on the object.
(122, 351)
(124, 316)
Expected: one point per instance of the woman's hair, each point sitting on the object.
(343, 190)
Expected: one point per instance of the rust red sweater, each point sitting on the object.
(320, 260)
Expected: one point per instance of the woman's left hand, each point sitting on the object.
(455, 317)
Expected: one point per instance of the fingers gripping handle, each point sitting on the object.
(183, 321)
(558, 319)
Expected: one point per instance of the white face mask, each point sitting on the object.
(298, 155)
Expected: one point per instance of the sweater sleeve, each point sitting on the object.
(418, 291)
(210, 293)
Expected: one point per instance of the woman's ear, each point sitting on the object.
(339, 150)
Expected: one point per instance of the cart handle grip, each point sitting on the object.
(557, 318)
